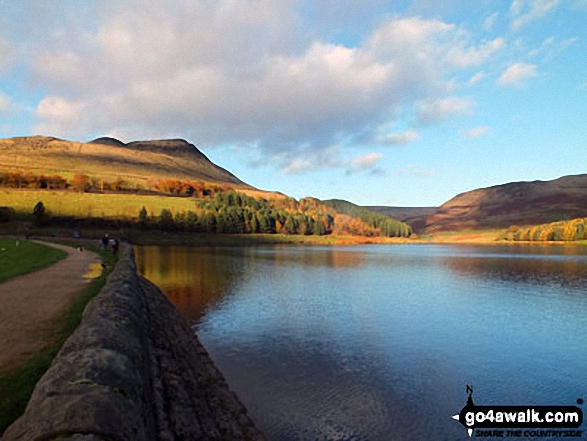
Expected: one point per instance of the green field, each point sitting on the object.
(21, 257)
(92, 205)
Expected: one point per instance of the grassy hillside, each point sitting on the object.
(65, 203)
(520, 203)
(137, 162)
(387, 226)
(222, 212)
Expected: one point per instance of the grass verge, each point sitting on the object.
(17, 384)
(18, 257)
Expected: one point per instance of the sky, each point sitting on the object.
(403, 103)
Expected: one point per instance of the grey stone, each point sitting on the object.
(133, 370)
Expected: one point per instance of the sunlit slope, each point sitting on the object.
(515, 203)
(109, 159)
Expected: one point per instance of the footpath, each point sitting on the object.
(133, 370)
(31, 303)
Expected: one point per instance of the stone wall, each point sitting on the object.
(133, 370)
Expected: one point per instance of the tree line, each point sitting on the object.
(85, 183)
(567, 231)
(385, 225)
(234, 212)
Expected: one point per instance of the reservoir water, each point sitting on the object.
(379, 342)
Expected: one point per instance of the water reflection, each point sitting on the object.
(193, 281)
(546, 266)
(377, 342)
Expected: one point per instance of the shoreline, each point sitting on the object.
(133, 369)
(163, 238)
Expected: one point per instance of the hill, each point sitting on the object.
(386, 224)
(109, 159)
(414, 216)
(519, 203)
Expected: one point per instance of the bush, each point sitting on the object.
(6, 214)
(40, 214)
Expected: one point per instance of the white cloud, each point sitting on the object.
(327, 158)
(474, 56)
(6, 55)
(399, 138)
(246, 72)
(5, 103)
(536, 9)
(58, 109)
(435, 111)
(476, 78)
(516, 7)
(550, 47)
(475, 132)
(516, 74)
(548, 42)
(293, 163)
(490, 21)
(366, 161)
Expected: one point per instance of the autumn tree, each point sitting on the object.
(81, 183)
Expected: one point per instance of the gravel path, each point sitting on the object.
(29, 304)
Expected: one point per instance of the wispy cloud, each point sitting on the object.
(366, 163)
(534, 10)
(399, 138)
(293, 163)
(490, 21)
(516, 74)
(551, 47)
(476, 78)
(435, 111)
(5, 103)
(475, 132)
(6, 55)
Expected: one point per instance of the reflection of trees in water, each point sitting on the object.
(567, 271)
(192, 278)
(196, 278)
(309, 256)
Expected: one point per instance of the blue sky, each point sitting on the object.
(378, 102)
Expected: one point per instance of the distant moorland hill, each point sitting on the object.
(110, 159)
(414, 216)
(516, 203)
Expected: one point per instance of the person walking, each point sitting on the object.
(105, 241)
(115, 244)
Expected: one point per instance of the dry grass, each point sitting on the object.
(41, 155)
(464, 237)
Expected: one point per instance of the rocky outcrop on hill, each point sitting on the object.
(520, 203)
(133, 370)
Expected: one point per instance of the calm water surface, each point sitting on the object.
(378, 342)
